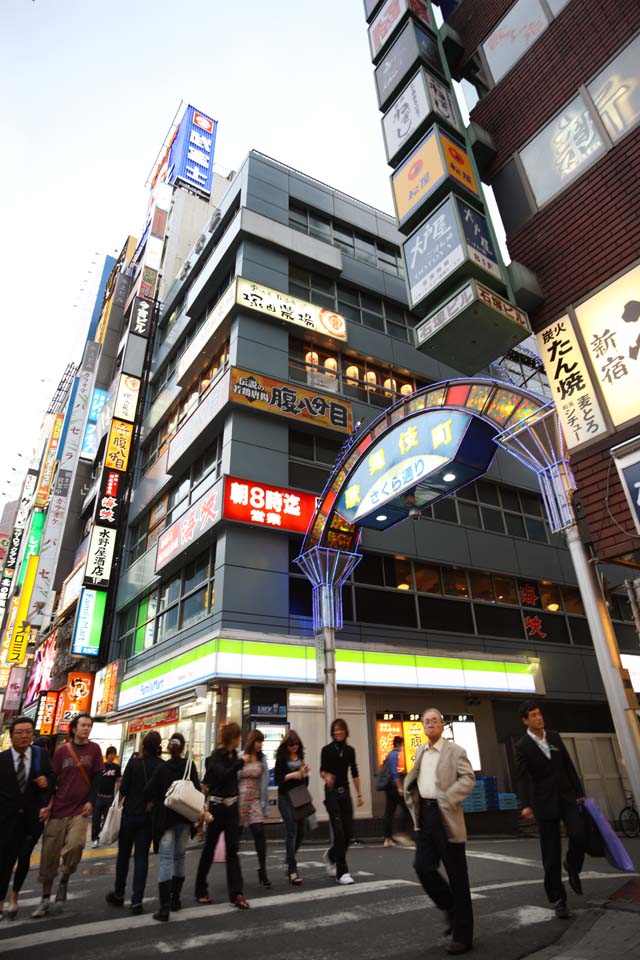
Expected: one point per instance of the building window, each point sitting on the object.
(352, 376)
(616, 92)
(363, 247)
(562, 150)
(398, 591)
(177, 604)
(176, 500)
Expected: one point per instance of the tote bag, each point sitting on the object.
(182, 797)
(301, 802)
(112, 821)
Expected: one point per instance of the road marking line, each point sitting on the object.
(91, 929)
(516, 861)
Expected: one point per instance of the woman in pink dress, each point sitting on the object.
(253, 793)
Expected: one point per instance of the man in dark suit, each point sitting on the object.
(25, 786)
(551, 790)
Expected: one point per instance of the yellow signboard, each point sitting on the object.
(119, 445)
(457, 163)
(8, 632)
(418, 176)
(259, 392)
(414, 736)
(48, 464)
(20, 636)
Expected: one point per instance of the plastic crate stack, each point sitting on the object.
(508, 801)
(484, 796)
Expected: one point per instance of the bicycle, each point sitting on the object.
(628, 818)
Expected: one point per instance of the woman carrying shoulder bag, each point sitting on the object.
(291, 772)
(170, 829)
(221, 777)
(136, 823)
(253, 803)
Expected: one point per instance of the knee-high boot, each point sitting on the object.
(176, 887)
(164, 896)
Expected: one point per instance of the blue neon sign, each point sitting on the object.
(191, 153)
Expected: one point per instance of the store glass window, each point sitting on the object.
(562, 150)
(397, 573)
(556, 6)
(572, 600)
(369, 570)
(194, 608)
(455, 582)
(445, 615)
(506, 589)
(481, 586)
(381, 606)
(550, 597)
(616, 91)
(427, 578)
(516, 32)
(498, 622)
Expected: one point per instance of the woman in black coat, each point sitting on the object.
(171, 831)
(221, 779)
(135, 829)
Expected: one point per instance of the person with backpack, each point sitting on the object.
(26, 780)
(390, 780)
(136, 829)
(170, 829)
(76, 765)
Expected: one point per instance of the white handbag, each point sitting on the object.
(112, 821)
(184, 798)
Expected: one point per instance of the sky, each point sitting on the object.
(90, 91)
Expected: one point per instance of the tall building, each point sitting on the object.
(559, 165)
(288, 328)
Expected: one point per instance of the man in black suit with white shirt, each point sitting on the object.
(25, 785)
(550, 790)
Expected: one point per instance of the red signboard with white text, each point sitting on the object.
(190, 528)
(264, 505)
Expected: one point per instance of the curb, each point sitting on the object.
(578, 929)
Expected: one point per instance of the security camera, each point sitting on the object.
(415, 513)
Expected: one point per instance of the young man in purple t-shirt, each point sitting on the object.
(76, 765)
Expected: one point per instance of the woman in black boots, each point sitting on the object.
(221, 779)
(171, 831)
(253, 802)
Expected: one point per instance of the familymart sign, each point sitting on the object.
(296, 663)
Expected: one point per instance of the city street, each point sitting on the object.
(383, 914)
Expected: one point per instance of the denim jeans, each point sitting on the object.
(133, 830)
(294, 831)
(173, 847)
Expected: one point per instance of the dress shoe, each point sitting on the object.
(455, 947)
(136, 909)
(574, 879)
(562, 910)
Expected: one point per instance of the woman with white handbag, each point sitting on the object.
(174, 790)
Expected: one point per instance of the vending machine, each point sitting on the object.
(265, 709)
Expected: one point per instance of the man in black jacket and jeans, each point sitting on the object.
(550, 790)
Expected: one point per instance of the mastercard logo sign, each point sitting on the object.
(416, 169)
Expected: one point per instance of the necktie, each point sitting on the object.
(22, 779)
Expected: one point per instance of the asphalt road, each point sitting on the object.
(384, 914)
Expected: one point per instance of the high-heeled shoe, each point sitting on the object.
(263, 879)
(295, 880)
(12, 912)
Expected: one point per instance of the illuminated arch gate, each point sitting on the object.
(417, 452)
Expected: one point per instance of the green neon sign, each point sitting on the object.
(33, 542)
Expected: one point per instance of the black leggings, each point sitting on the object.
(260, 843)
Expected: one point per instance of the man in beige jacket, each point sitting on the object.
(434, 790)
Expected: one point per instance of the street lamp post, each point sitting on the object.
(327, 569)
(538, 443)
